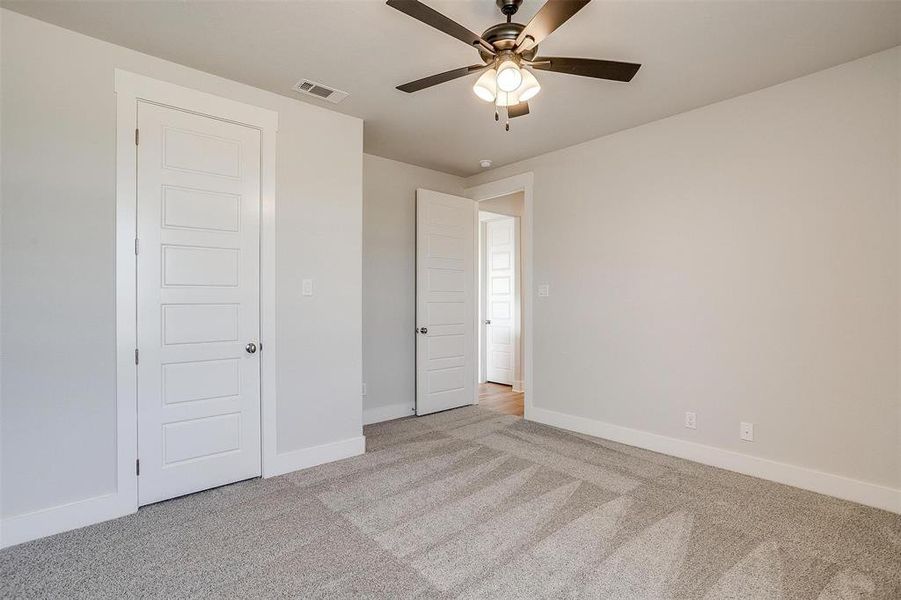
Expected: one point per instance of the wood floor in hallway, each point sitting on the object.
(500, 398)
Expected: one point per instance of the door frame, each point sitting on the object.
(517, 384)
(131, 88)
(518, 183)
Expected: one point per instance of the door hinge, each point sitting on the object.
(136, 356)
(137, 246)
(138, 466)
(137, 136)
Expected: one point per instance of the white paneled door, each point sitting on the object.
(198, 307)
(446, 312)
(500, 323)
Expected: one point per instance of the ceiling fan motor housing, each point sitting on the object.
(503, 37)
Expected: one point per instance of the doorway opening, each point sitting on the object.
(501, 330)
(450, 328)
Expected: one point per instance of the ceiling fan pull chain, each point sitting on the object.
(507, 123)
(497, 117)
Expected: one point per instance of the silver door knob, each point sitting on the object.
(487, 321)
(423, 330)
(251, 348)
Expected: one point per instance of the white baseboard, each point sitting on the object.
(317, 455)
(56, 519)
(378, 414)
(845, 488)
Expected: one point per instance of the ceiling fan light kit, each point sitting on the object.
(505, 99)
(509, 77)
(486, 86)
(506, 49)
(530, 86)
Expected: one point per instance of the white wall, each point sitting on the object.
(58, 263)
(741, 261)
(389, 278)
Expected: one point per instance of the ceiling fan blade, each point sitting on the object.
(587, 67)
(433, 18)
(518, 110)
(552, 15)
(425, 82)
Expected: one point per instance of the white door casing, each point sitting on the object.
(198, 302)
(446, 307)
(501, 318)
(524, 183)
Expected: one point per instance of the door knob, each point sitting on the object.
(487, 321)
(423, 330)
(251, 348)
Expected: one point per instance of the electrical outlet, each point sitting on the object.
(307, 286)
(364, 389)
(544, 290)
(691, 420)
(747, 431)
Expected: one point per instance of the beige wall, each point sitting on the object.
(511, 204)
(389, 277)
(741, 261)
(58, 263)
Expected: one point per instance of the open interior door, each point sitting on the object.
(446, 352)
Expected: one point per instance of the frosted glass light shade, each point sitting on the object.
(486, 86)
(509, 77)
(506, 99)
(529, 88)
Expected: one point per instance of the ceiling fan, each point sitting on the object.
(507, 49)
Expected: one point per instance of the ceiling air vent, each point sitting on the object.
(311, 88)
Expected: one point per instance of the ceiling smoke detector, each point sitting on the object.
(485, 163)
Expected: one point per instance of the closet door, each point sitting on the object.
(198, 313)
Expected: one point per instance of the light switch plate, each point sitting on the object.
(307, 287)
(544, 290)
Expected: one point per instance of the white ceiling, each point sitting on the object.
(693, 53)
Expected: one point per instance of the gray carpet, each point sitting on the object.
(474, 504)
